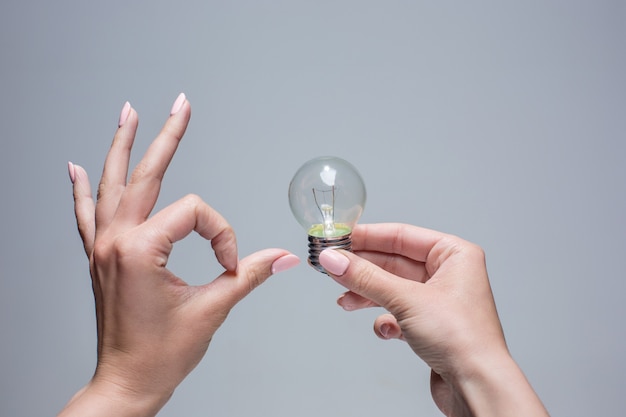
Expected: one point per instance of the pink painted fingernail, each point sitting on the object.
(334, 262)
(71, 171)
(284, 263)
(384, 330)
(178, 104)
(124, 114)
(341, 301)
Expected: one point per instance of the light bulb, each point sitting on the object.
(327, 196)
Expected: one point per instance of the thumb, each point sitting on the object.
(366, 279)
(230, 287)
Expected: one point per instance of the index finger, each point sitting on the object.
(407, 240)
(192, 214)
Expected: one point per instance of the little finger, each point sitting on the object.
(350, 301)
(84, 206)
(386, 327)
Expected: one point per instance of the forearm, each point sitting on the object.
(498, 387)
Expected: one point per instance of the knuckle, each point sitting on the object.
(397, 243)
(193, 199)
(108, 190)
(103, 253)
(255, 278)
(476, 252)
(389, 262)
(141, 171)
(366, 275)
(173, 132)
(193, 202)
(101, 191)
(116, 250)
(444, 249)
(452, 246)
(224, 238)
(123, 247)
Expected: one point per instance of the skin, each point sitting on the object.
(153, 328)
(436, 291)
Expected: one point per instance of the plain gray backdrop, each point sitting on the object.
(501, 122)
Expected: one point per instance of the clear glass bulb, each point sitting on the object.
(327, 197)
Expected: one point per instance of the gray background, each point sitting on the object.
(499, 122)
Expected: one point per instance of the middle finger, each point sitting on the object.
(143, 188)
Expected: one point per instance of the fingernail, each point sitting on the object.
(124, 114)
(384, 330)
(178, 104)
(71, 171)
(284, 263)
(341, 301)
(334, 262)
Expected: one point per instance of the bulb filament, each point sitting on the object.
(327, 210)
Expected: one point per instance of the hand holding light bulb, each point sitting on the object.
(437, 292)
(435, 287)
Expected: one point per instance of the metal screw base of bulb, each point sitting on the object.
(318, 244)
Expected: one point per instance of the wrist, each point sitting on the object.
(494, 385)
(102, 397)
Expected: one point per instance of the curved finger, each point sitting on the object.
(192, 214)
(142, 190)
(230, 287)
(397, 265)
(351, 301)
(115, 170)
(366, 279)
(386, 327)
(84, 207)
